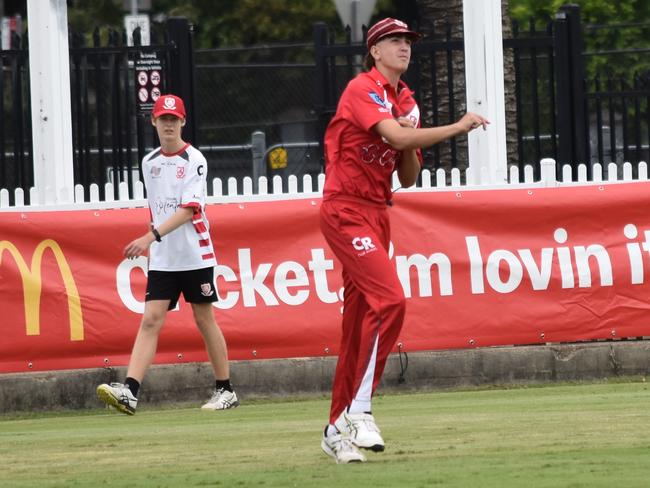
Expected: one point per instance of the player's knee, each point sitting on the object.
(152, 323)
(400, 304)
(397, 303)
(203, 324)
(203, 316)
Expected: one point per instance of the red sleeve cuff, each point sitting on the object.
(195, 206)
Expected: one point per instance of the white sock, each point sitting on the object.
(363, 397)
(331, 430)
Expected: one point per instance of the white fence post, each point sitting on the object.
(484, 86)
(547, 172)
(49, 68)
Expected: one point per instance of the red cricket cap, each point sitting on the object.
(169, 104)
(387, 27)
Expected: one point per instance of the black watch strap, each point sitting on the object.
(156, 234)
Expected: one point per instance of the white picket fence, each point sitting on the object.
(243, 191)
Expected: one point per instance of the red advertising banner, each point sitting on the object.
(479, 268)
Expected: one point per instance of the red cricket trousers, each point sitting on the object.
(374, 303)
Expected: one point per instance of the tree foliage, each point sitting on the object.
(249, 22)
(623, 25)
(226, 22)
(593, 11)
(85, 16)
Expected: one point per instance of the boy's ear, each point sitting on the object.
(183, 122)
(153, 121)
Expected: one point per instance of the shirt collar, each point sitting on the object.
(380, 80)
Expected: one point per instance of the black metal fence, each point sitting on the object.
(617, 97)
(16, 168)
(261, 88)
(109, 136)
(535, 94)
(289, 92)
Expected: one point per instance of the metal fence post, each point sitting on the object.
(258, 149)
(580, 123)
(321, 79)
(563, 89)
(571, 113)
(181, 69)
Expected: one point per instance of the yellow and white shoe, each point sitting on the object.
(118, 396)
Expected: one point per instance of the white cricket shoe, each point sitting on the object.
(221, 400)
(341, 449)
(118, 396)
(362, 430)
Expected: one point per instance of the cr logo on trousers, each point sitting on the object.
(362, 243)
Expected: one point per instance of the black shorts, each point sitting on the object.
(197, 286)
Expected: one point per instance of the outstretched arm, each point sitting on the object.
(402, 138)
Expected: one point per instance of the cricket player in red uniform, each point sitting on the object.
(376, 130)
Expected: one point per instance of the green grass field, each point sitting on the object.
(586, 435)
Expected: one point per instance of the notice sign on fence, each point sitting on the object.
(148, 81)
(132, 22)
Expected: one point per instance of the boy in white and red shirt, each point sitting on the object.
(374, 132)
(181, 258)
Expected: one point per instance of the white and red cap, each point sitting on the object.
(387, 27)
(169, 104)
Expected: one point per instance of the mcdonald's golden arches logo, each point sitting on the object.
(32, 286)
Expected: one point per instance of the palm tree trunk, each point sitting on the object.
(509, 88)
(443, 99)
(443, 80)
